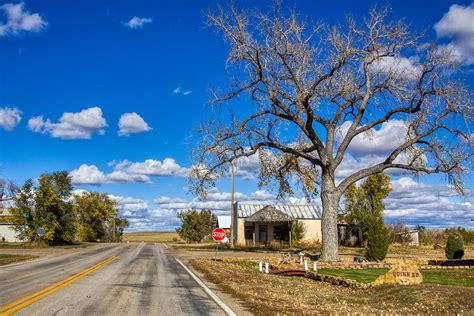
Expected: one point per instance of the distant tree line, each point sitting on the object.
(64, 216)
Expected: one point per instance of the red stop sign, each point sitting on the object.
(218, 234)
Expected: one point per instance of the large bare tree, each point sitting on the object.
(301, 93)
(8, 189)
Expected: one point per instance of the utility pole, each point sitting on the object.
(232, 206)
(113, 234)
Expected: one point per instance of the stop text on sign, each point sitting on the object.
(218, 234)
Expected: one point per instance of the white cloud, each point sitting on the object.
(389, 136)
(130, 123)
(90, 174)
(87, 174)
(398, 67)
(129, 204)
(119, 176)
(218, 202)
(366, 149)
(373, 147)
(79, 125)
(351, 164)
(9, 118)
(430, 205)
(457, 25)
(151, 167)
(19, 20)
(137, 22)
(247, 167)
(143, 218)
(128, 172)
(181, 91)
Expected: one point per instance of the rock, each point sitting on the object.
(402, 273)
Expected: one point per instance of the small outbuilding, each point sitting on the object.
(7, 234)
(223, 221)
(263, 224)
(408, 237)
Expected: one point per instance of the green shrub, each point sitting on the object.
(467, 235)
(378, 239)
(454, 246)
(298, 231)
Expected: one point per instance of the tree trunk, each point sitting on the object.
(330, 202)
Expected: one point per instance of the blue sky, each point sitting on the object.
(98, 60)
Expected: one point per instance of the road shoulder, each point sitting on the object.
(235, 304)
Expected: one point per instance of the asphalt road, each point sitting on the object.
(132, 279)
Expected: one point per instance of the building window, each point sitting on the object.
(281, 232)
(248, 232)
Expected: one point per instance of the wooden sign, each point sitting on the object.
(403, 274)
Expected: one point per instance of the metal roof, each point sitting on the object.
(305, 211)
(269, 214)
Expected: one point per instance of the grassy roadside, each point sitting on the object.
(458, 277)
(7, 259)
(267, 294)
(359, 275)
(33, 245)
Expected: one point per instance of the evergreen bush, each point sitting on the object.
(454, 246)
(378, 239)
(298, 231)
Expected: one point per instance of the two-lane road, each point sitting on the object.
(123, 279)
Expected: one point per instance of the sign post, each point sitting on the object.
(25, 216)
(218, 235)
(40, 233)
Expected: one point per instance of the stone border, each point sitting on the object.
(430, 267)
(451, 262)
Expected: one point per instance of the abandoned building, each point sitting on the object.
(263, 224)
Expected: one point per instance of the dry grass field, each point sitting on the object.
(151, 237)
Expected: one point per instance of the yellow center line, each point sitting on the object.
(52, 286)
(29, 299)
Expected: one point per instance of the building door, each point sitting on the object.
(262, 234)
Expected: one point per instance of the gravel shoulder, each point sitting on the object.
(187, 256)
(50, 252)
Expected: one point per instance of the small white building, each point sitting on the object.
(263, 224)
(223, 221)
(7, 234)
(410, 237)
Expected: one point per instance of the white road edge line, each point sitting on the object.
(216, 299)
(166, 246)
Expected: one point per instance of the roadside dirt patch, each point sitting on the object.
(7, 259)
(47, 251)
